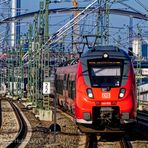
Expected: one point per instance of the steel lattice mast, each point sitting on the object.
(5, 7)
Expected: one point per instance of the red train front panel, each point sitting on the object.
(105, 90)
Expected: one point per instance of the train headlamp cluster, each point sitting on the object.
(122, 93)
(90, 93)
(105, 55)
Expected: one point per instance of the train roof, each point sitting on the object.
(111, 51)
(70, 62)
(98, 52)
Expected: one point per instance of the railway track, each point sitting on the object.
(92, 139)
(13, 125)
(125, 144)
(95, 141)
(22, 128)
(142, 118)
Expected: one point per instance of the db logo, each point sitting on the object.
(106, 95)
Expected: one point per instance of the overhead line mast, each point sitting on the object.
(107, 13)
(13, 29)
(46, 30)
(75, 27)
(103, 22)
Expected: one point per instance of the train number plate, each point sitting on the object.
(106, 95)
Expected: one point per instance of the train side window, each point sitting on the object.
(55, 77)
(65, 82)
(58, 86)
(73, 89)
(61, 87)
(69, 88)
(67, 85)
(55, 82)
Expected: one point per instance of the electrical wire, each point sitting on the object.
(128, 6)
(141, 4)
(66, 27)
(5, 1)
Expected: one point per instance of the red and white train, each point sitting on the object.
(99, 89)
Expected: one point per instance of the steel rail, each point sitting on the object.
(22, 130)
(142, 118)
(144, 92)
(125, 144)
(91, 141)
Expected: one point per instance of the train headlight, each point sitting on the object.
(105, 55)
(122, 92)
(90, 93)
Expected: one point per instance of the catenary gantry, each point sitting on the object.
(68, 10)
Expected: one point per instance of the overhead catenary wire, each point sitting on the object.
(49, 42)
(128, 6)
(124, 46)
(5, 1)
(63, 29)
(141, 4)
(58, 35)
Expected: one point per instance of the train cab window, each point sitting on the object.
(105, 73)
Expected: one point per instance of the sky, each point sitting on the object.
(120, 21)
(34, 4)
(26, 4)
(115, 21)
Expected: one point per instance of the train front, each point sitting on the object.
(105, 90)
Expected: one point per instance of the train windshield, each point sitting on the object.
(105, 74)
